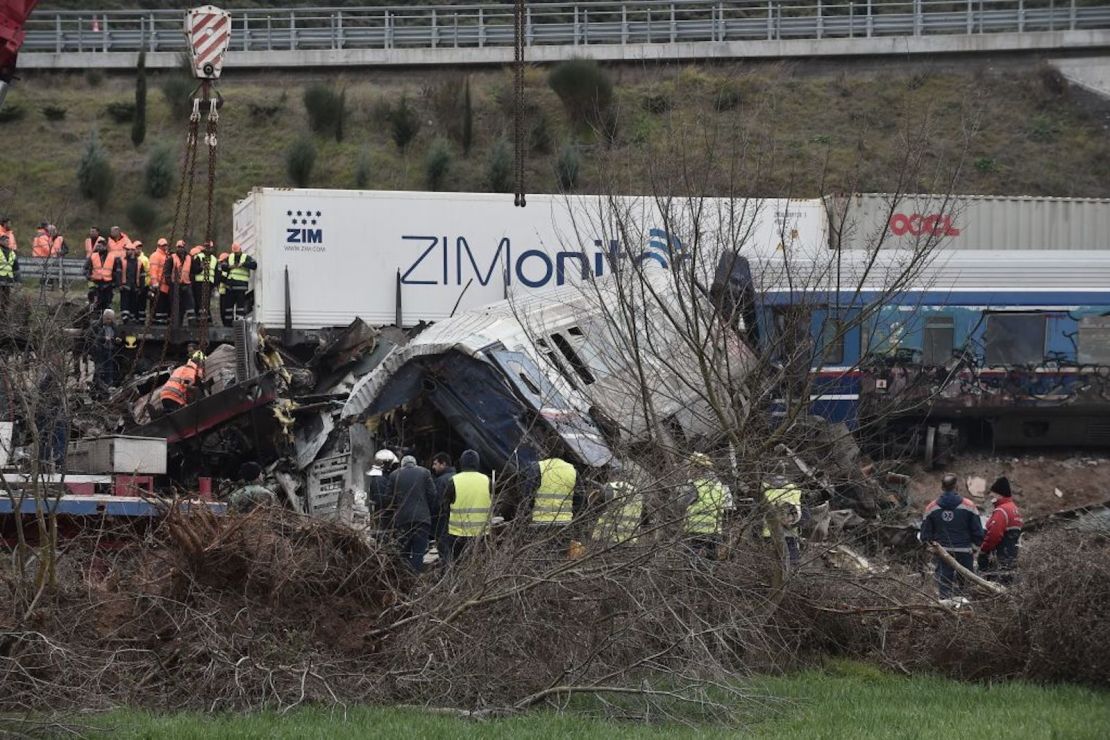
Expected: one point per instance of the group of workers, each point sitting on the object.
(953, 522)
(456, 507)
(173, 284)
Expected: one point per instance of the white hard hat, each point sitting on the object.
(384, 456)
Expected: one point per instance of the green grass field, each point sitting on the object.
(847, 701)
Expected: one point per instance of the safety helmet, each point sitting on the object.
(701, 460)
(130, 341)
(384, 456)
(197, 356)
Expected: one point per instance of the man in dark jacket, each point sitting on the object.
(412, 494)
(952, 521)
(443, 470)
(1003, 536)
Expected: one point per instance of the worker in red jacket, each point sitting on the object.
(1003, 537)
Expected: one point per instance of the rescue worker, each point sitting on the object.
(9, 271)
(784, 502)
(377, 484)
(953, 522)
(133, 284)
(117, 241)
(102, 270)
(6, 230)
(158, 277)
(707, 499)
(103, 346)
(91, 240)
(552, 487)
(619, 522)
(235, 276)
(204, 276)
(180, 283)
(1003, 535)
(443, 471)
(251, 494)
(469, 502)
(175, 393)
(412, 494)
(40, 245)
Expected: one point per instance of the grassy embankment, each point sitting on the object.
(851, 701)
(1028, 137)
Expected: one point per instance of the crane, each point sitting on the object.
(13, 14)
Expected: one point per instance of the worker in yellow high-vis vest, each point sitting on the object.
(708, 499)
(784, 511)
(551, 486)
(622, 517)
(468, 499)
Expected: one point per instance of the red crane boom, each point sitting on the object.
(13, 14)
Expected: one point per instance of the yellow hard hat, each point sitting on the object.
(701, 460)
(197, 356)
(130, 341)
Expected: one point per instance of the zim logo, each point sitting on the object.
(301, 231)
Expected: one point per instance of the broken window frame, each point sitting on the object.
(937, 326)
(580, 367)
(1005, 355)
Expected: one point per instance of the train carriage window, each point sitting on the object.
(832, 342)
(573, 358)
(1094, 340)
(1014, 338)
(938, 340)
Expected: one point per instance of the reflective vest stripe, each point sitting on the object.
(704, 514)
(102, 268)
(621, 521)
(208, 272)
(785, 497)
(7, 264)
(554, 502)
(177, 387)
(237, 272)
(470, 513)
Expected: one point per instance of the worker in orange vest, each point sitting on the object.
(180, 283)
(6, 230)
(90, 242)
(102, 270)
(183, 380)
(40, 245)
(117, 241)
(159, 282)
(133, 283)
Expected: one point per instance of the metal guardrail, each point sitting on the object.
(68, 269)
(565, 24)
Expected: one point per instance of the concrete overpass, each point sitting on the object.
(630, 31)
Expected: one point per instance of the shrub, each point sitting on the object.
(263, 111)
(138, 126)
(143, 214)
(1052, 80)
(121, 111)
(300, 158)
(643, 127)
(12, 112)
(178, 92)
(324, 106)
(342, 115)
(727, 96)
(160, 172)
(585, 91)
(95, 178)
(656, 101)
(404, 124)
(437, 163)
(539, 133)
(985, 164)
(1043, 128)
(93, 77)
(499, 171)
(566, 168)
(447, 102)
(362, 168)
(54, 112)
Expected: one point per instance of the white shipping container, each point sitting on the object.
(354, 254)
(969, 222)
(118, 454)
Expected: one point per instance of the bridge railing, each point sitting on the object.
(565, 24)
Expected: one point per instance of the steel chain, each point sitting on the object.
(518, 112)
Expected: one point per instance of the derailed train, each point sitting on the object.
(1013, 346)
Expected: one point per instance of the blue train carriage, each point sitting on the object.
(1011, 348)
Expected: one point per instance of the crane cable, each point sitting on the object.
(518, 102)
